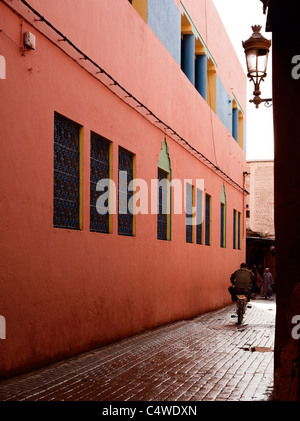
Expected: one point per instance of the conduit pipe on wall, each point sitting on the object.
(139, 105)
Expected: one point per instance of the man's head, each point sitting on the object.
(267, 270)
(244, 265)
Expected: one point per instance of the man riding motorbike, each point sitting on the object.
(241, 280)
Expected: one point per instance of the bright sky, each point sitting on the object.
(238, 16)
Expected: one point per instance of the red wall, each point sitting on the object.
(64, 291)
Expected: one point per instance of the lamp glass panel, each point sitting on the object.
(251, 57)
(262, 59)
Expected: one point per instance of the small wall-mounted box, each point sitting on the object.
(29, 40)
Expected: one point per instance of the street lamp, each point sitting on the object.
(257, 50)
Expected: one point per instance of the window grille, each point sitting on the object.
(162, 217)
(100, 170)
(189, 213)
(199, 227)
(207, 219)
(222, 225)
(239, 231)
(66, 173)
(234, 228)
(125, 214)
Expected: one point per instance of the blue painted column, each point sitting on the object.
(188, 56)
(201, 75)
(235, 124)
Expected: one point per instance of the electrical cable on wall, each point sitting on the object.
(112, 83)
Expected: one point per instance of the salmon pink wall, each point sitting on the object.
(64, 291)
(115, 36)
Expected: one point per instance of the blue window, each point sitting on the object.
(207, 220)
(66, 173)
(189, 213)
(199, 226)
(162, 217)
(234, 228)
(223, 219)
(125, 214)
(164, 194)
(235, 124)
(239, 231)
(100, 170)
(222, 225)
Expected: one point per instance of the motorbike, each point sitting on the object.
(241, 305)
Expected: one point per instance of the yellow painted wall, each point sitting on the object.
(141, 7)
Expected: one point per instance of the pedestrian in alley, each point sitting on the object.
(256, 281)
(267, 283)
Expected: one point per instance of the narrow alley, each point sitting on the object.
(208, 358)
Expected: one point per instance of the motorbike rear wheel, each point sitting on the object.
(240, 314)
(240, 310)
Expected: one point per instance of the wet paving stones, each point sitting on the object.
(208, 358)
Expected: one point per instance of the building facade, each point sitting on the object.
(260, 201)
(123, 162)
(260, 225)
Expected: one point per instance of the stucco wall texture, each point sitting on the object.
(63, 291)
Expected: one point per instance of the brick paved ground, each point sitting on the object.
(209, 358)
